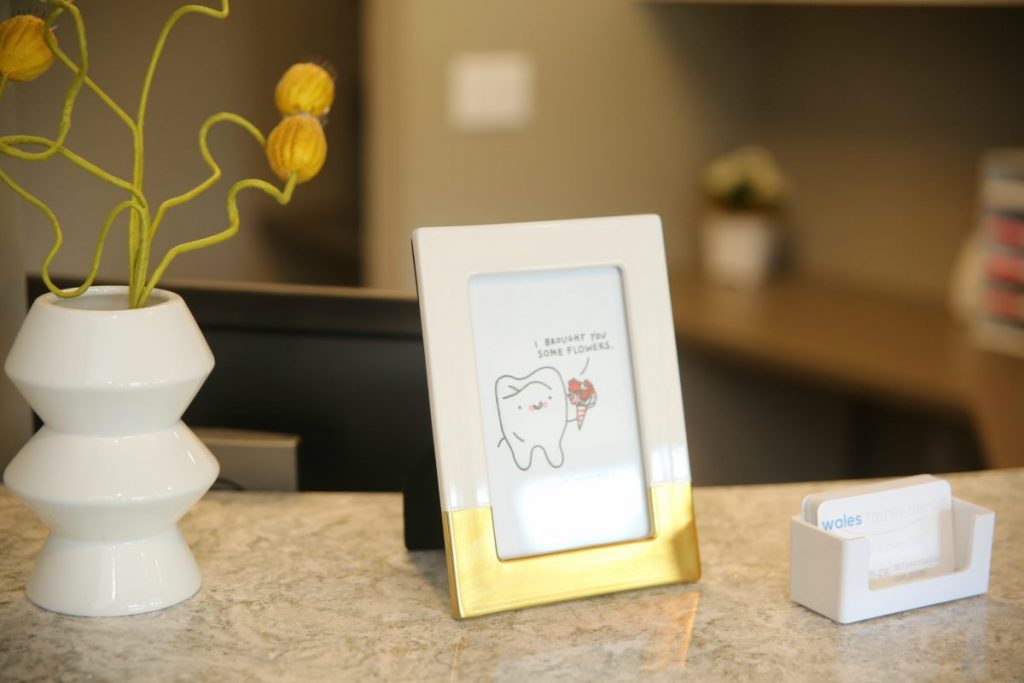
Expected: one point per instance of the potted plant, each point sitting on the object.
(111, 370)
(741, 237)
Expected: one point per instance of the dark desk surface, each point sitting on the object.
(898, 350)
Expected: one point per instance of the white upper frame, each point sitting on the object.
(447, 257)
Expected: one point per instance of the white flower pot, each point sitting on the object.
(113, 468)
(740, 248)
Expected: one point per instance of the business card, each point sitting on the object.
(908, 523)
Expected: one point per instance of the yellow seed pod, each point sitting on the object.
(24, 54)
(304, 89)
(297, 145)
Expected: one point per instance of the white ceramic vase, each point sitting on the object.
(741, 248)
(113, 468)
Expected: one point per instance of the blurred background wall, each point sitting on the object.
(208, 66)
(877, 114)
(15, 419)
(629, 103)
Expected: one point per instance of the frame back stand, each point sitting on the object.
(421, 506)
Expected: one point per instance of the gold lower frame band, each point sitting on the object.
(480, 583)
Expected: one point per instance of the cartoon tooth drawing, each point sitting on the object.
(532, 411)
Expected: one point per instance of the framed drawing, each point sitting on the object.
(556, 407)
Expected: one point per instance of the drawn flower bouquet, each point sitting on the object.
(583, 396)
(295, 149)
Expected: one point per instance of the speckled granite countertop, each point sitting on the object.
(318, 586)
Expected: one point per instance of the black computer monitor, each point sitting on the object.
(342, 368)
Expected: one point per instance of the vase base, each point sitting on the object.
(92, 579)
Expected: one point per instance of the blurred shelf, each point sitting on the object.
(898, 350)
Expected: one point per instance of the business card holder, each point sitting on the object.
(829, 574)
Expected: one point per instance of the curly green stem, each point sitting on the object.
(137, 296)
(58, 237)
(215, 174)
(81, 74)
(140, 245)
(98, 254)
(282, 196)
(147, 83)
(76, 82)
(91, 84)
(84, 164)
(141, 229)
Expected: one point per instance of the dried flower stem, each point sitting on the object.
(73, 89)
(75, 159)
(282, 196)
(204, 150)
(59, 236)
(142, 227)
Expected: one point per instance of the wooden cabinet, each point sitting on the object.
(888, 362)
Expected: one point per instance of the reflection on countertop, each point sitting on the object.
(310, 586)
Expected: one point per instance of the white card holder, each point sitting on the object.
(829, 574)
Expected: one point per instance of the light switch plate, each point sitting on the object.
(490, 91)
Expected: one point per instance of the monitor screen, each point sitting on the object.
(341, 368)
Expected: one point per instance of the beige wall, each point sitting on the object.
(878, 114)
(630, 101)
(15, 418)
(208, 66)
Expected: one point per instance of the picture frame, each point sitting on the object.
(557, 413)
